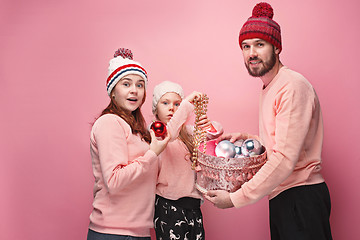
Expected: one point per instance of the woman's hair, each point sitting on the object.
(135, 119)
(187, 140)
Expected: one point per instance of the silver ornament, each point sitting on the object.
(225, 149)
(238, 145)
(237, 150)
(251, 147)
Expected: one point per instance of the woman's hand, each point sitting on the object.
(157, 144)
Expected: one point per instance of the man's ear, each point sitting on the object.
(277, 50)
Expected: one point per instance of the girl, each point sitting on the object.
(124, 166)
(177, 204)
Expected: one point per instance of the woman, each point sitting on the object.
(124, 157)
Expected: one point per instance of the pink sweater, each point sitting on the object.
(291, 128)
(176, 178)
(125, 172)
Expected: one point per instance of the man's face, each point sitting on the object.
(259, 56)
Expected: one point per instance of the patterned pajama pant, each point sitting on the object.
(178, 219)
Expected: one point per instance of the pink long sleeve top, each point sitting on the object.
(176, 178)
(291, 128)
(125, 172)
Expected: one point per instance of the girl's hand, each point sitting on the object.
(204, 122)
(158, 145)
(194, 95)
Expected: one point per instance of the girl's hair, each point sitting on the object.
(187, 140)
(135, 119)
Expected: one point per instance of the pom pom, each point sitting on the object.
(263, 10)
(123, 52)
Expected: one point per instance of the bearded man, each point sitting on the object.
(291, 129)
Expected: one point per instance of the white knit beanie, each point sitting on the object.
(122, 65)
(163, 88)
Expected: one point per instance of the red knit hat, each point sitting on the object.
(260, 25)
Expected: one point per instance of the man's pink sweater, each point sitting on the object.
(291, 129)
(125, 172)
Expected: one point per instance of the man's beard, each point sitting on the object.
(267, 66)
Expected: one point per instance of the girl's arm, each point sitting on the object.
(211, 135)
(182, 115)
(213, 129)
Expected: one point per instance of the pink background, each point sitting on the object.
(53, 65)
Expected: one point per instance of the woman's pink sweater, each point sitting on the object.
(291, 128)
(125, 172)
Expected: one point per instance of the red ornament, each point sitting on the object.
(159, 129)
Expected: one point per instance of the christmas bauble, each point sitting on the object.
(237, 150)
(251, 147)
(159, 128)
(225, 149)
(238, 145)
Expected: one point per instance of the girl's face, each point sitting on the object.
(129, 92)
(167, 106)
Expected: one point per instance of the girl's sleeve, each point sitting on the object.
(117, 169)
(213, 135)
(179, 118)
(209, 135)
(182, 115)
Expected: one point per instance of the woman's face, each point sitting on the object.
(129, 92)
(167, 106)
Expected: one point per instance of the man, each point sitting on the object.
(291, 129)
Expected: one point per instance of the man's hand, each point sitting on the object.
(233, 137)
(220, 198)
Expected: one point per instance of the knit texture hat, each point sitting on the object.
(163, 88)
(260, 25)
(121, 65)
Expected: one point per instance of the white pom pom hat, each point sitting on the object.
(121, 65)
(163, 88)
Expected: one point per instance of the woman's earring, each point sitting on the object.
(113, 96)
